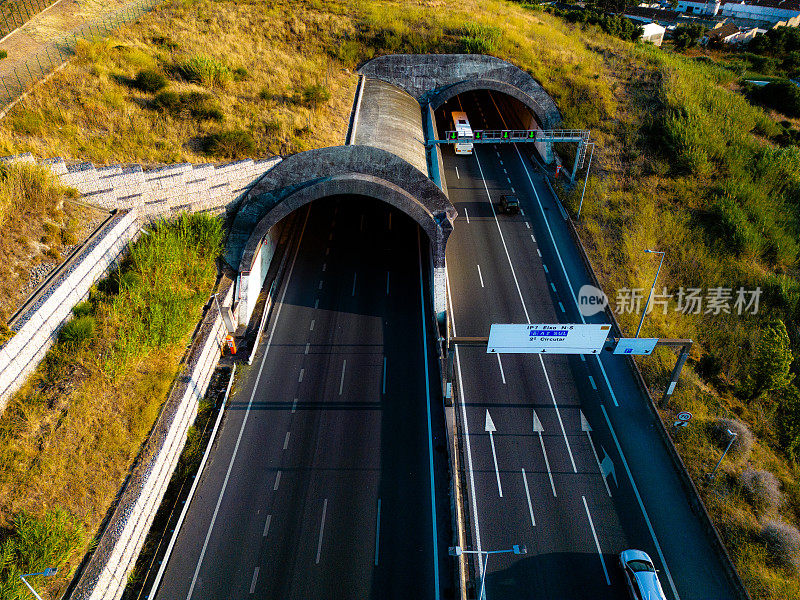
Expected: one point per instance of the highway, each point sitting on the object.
(554, 459)
(328, 478)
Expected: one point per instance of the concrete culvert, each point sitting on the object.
(782, 542)
(743, 443)
(763, 490)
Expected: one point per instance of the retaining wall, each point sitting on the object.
(105, 575)
(37, 323)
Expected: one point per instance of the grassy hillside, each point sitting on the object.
(684, 164)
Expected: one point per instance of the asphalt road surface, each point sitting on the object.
(328, 478)
(554, 459)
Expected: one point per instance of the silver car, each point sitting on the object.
(641, 576)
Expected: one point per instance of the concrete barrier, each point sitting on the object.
(105, 574)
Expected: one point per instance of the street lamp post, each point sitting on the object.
(46, 573)
(650, 295)
(713, 473)
(458, 551)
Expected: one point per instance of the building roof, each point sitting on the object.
(652, 29)
(723, 31)
(652, 14)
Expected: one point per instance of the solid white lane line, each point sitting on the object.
(558, 412)
(558, 254)
(312, 325)
(641, 504)
(430, 425)
(384, 374)
(545, 268)
(341, 382)
(596, 541)
(528, 496)
(502, 239)
(300, 379)
(294, 406)
(378, 533)
(387, 283)
(480, 275)
(490, 429)
(502, 373)
(277, 481)
(246, 414)
(266, 526)
(462, 396)
(286, 440)
(255, 578)
(322, 529)
(354, 284)
(457, 175)
(307, 347)
(316, 303)
(466, 214)
(320, 285)
(591, 380)
(324, 267)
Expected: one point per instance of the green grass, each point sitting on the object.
(69, 436)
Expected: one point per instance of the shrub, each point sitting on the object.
(240, 73)
(3, 54)
(77, 332)
(782, 542)
(763, 490)
(195, 105)
(82, 309)
(206, 71)
(149, 81)
(229, 144)
(781, 95)
(479, 39)
(313, 95)
(743, 443)
(6, 333)
(771, 360)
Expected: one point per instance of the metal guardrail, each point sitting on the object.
(24, 74)
(494, 136)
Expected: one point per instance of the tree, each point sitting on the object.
(782, 95)
(772, 361)
(686, 36)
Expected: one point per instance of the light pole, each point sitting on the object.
(650, 295)
(589, 166)
(46, 573)
(458, 551)
(713, 473)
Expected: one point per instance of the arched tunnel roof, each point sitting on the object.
(391, 119)
(349, 170)
(427, 77)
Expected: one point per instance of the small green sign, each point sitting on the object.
(505, 135)
(478, 135)
(452, 135)
(532, 134)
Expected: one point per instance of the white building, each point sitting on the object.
(770, 11)
(653, 33)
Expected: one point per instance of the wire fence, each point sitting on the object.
(20, 77)
(15, 13)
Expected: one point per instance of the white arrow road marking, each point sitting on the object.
(490, 428)
(537, 428)
(588, 429)
(607, 468)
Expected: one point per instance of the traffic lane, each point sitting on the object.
(656, 477)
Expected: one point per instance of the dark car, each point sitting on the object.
(509, 204)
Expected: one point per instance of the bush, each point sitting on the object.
(782, 542)
(205, 71)
(771, 361)
(763, 490)
(82, 309)
(479, 39)
(77, 332)
(240, 73)
(149, 81)
(781, 95)
(743, 444)
(229, 144)
(3, 54)
(313, 95)
(195, 105)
